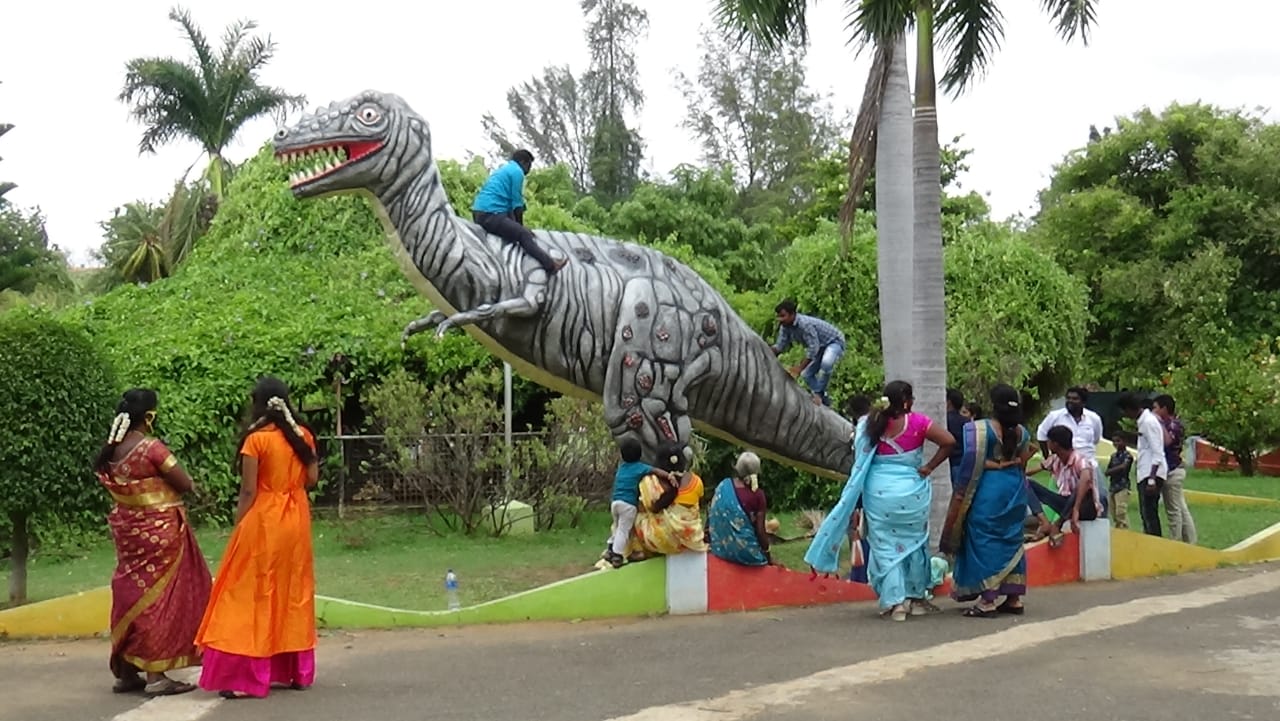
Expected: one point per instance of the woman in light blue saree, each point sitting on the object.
(984, 527)
(892, 480)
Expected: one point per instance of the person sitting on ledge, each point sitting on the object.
(668, 521)
(736, 518)
(499, 209)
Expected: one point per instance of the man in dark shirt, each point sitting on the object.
(1182, 527)
(1119, 470)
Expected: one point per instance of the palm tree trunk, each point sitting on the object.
(928, 310)
(894, 251)
(215, 174)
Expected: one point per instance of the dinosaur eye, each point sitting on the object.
(368, 115)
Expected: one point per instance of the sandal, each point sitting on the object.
(129, 684)
(1011, 610)
(233, 695)
(899, 613)
(168, 687)
(1056, 539)
(979, 612)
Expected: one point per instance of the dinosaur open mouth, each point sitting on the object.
(311, 163)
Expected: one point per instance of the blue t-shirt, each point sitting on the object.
(503, 192)
(626, 482)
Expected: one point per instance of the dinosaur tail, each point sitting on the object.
(754, 401)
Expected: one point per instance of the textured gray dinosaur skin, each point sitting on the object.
(621, 322)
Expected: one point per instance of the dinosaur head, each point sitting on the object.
(361, 143)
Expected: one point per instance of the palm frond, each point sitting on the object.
(768, 24)
(1073, 17)
(971, 31)
(184, 221)
(872, 23)
(232, 38)
(199, 43)
(256, 101)
(169, 98)
(862, 142)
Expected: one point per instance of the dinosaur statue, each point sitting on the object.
(621, 322)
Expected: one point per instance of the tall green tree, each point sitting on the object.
(611, 87)
(553, 120)
(970, 32)
(1169, 222)
(208, 98)
(27, 259)
(754, 114)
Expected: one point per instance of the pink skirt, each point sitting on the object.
(253, 676)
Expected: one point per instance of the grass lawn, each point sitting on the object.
(392, 559)
(1217, 526)
(396, 559)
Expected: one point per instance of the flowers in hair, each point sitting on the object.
(881, 403)
(119, 427)
(277, 403)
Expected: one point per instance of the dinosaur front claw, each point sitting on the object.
(435, 317)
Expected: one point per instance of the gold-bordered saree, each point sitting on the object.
(983, 530)
(161, 583)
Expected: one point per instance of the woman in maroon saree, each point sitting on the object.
(161, 583)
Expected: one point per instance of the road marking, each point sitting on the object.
(187, 707)
(746, 703)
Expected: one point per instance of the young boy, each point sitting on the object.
(626, 498)
(1119, 471)
(1076, 499)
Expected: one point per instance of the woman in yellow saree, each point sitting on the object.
(669, 520)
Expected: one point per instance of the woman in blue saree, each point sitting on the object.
(736, 517)
(892, 480)
(984, 527)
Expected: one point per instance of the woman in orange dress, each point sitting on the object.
(161, 583)
(260, 627)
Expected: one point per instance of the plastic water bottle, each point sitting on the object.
(451, 590)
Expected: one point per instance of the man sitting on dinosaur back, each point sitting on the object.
(499, 208)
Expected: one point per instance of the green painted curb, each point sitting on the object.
(634, 590)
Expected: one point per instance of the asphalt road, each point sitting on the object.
(1187, 648)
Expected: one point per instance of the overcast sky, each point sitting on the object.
(74, 150)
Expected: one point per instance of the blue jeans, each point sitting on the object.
(818, 373)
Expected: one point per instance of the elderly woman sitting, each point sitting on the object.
(736, 519)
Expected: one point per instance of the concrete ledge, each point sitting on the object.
(1095, 550)
(79, 615)
(687, 583)
(634, 590)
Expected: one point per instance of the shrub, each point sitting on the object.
(55, 411)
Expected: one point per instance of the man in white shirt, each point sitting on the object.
(1086, 431)
(1152, 466)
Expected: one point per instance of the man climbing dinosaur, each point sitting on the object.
(823, 347)
(499, 208)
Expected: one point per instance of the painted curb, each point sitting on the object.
(1226, 499)
(634, 590)
(78, 615)
(1137, 555)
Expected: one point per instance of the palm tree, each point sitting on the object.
(209, 100)
(971, 30)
